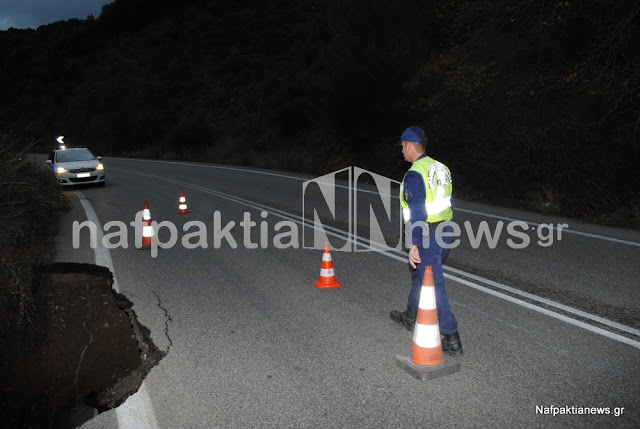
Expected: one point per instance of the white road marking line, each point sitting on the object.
(137, 411)
(217, 167)
(285, 176)
(567, 230)
(343, 235)
(102, 255)
(594, 329)
(546, 301)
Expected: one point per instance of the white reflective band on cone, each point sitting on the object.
(427, 336)
(326, 273)
(146, 214)
(147, 231)
(427, 298)
(182, 207)
(183, 199)
(326, 256)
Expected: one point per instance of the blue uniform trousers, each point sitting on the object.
(434, 255)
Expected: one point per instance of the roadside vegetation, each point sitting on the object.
(533, 105)
(46, 310)
(30, 201)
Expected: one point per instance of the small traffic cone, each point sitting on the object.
(327, 278)
(182, 204)
(427, 360)
(148, 234)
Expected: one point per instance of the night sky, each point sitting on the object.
(34, 13)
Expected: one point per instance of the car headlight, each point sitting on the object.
(61, 170)
(100, 167)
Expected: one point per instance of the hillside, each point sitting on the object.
(531, 104)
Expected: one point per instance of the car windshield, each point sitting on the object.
(74, 155)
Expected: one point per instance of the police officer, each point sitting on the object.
(425, 197)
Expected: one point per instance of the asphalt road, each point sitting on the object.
(252, 343)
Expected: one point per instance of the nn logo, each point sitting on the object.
(353, 209)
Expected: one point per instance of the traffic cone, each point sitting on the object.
(327, 278)
(182, 204)
(427, 360)
(148, 234)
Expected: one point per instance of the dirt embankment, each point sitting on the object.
(83, 352)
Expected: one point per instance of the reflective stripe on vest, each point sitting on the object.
(432, 208)
(438, 188)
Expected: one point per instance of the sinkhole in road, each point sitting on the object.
(83, 353)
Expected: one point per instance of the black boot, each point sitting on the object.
(406, 318)
(452, 345)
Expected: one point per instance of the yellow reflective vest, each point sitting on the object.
(437, 182)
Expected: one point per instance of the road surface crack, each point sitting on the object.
(167, 320)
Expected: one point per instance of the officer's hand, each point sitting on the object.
(414, 256)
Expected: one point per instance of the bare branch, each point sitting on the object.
(17, 214)
(16, 183)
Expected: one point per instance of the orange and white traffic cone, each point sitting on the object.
(148, 234)
(182, 204)
(427, 360)
(327, 278)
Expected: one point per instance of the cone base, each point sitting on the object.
(427, 372)
(322, 285)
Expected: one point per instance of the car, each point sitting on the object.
(76, 166)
